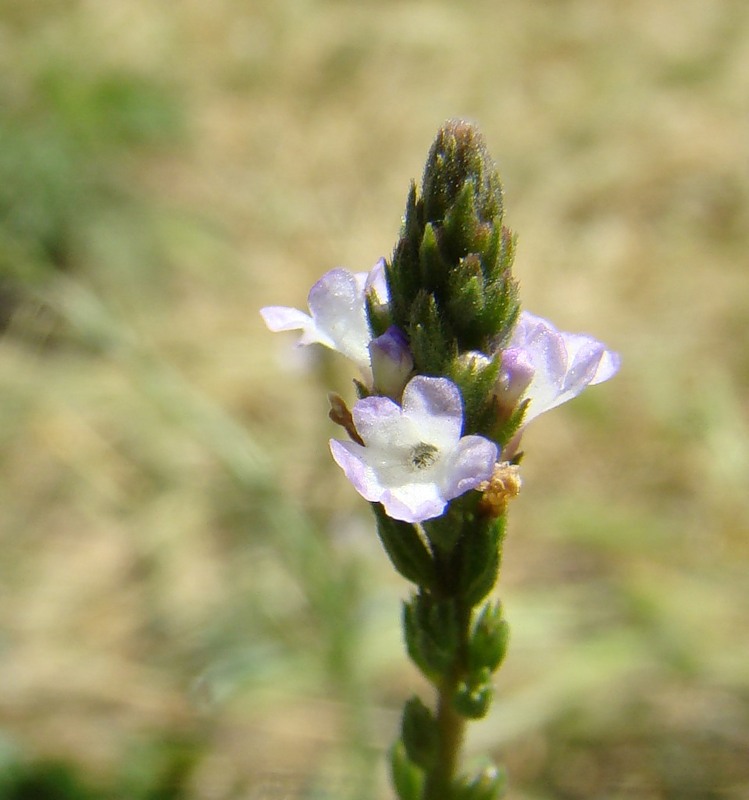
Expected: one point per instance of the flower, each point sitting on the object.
(338, 312)
(547, 367)
(392, 362)
(414, 459)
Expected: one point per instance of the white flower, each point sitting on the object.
(549, 367)
(338, 313)
(414, 459)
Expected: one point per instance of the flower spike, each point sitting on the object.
(452, 372)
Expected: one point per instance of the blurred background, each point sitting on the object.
(194, 602)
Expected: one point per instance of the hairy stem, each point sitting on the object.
(451, 727)
(450, 723)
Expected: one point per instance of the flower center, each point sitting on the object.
(423, 455)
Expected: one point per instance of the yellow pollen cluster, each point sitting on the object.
(503, 485)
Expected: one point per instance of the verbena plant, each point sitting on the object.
(450, 372)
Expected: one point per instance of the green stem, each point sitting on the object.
(450, 723)
(451, 727)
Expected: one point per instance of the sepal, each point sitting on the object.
(433, 268)
(432, 344)
(378, 315)
(476, 376)
(465, 299)
(403, 274)
(464, 231)
(502, 429)
(444, 532)
(361, 390)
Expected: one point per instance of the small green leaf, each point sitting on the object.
(407, 551)
(420, 734)
(408, 779)
(481, 559)
(489, 638)
(432, 635)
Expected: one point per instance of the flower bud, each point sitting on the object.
(454, 255)
(392, 362)
(459, 155)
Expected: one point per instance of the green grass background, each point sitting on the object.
(194, 603)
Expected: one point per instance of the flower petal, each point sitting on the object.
(380, 423)
(376, 283)
(608, 366)
(435, 407)
(338, 309)
(470, 463)
(350, 458)
(584, 355)
(413, 502)
(282, 318)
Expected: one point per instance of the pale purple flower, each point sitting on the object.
(338, 314)
(392, 362)
(549, 367)
(414, 459)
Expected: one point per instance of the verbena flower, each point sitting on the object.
(548, 367)
(392, 362)
(338, 316)
(414, 459)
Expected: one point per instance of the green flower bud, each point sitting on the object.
(459, 154)
(450, 279)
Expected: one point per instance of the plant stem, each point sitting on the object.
(451, 727)
(450, 723)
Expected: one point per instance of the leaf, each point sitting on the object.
(408, 779)
(420, 734)
(406, 549)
